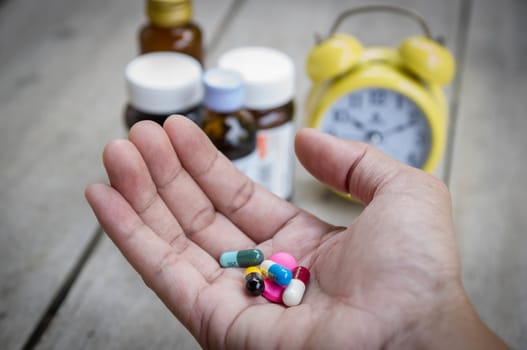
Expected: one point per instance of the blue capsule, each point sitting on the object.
(241, 258)
(279, 274)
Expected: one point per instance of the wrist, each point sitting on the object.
(448, 322)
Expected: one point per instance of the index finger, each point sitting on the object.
(256, 211)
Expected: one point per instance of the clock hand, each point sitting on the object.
(343, 116)
(399, 128)
(357, 124)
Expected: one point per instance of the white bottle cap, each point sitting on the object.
(164, 82)
(268, 73)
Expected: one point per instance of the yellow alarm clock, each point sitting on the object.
(388, 97)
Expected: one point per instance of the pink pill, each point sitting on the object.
(284, 259)
(272, 291)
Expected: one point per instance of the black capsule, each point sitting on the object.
(254, 281)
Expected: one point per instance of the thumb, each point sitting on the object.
(347, 166)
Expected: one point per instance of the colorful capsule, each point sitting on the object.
(294, 292)
(277, 273)
(254, 281)
(241, 258)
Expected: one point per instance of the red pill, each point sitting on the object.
(294, 292)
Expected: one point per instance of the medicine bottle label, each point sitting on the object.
(275, 159)
(248, 164)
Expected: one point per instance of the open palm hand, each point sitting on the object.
(174, 204)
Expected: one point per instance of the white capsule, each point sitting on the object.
(294, 293)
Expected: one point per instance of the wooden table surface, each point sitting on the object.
(63, 285)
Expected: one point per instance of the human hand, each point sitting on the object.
(391, 279)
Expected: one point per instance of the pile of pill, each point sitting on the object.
(278, 279)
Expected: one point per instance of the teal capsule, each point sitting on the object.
(241, 258)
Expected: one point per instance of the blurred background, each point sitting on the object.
(62, 96)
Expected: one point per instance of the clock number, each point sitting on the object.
(399, 102)
(355, 101)
(377, 97)
(422, 139)
(340, 115)
(415, 115)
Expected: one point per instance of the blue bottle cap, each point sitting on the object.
(224, 90)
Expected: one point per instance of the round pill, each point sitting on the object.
(284, 259)
(272, 291)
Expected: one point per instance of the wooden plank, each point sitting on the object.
(489, 171)
(61, 99)
(49, 149)
(109, 307)
(87, 110)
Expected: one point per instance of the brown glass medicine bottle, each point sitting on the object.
(160, 84)
(170, 28)
(231, 128)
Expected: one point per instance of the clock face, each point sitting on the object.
(383, 118)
